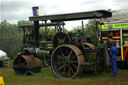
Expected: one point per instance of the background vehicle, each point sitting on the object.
(119, 31)
(3, 58)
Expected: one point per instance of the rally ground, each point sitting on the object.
(47, 77)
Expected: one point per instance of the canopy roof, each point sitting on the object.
(73, 16)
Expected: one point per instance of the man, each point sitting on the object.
(112, 54)
(108, 42)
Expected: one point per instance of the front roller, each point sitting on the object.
(67, 61)
(26, 64)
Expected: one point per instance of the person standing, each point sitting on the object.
(112, 54)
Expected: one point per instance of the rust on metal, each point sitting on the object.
(75, 62)
(90, 45)
(27, 64)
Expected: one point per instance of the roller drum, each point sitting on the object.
(27, 64)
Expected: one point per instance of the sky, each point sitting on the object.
(15, 10)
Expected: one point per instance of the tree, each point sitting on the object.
(10, 38)
(90, 30)
(3, 28)
(76, 29)
(21, 22)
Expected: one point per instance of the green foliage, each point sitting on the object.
(90, 30)
(76, 29)
(11, 37)
(21, 22)
(51, 31)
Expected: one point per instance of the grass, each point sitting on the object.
(47, 77)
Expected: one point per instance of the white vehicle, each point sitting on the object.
(3, 57)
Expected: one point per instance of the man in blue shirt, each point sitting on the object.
(112, 54)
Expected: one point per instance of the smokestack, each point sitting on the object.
(36, 26)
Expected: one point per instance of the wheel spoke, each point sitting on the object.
(70, 54)
(75, 66)
(68, 70)
(61, 67)
(67, 52)
(60, 62)
(62, 41)
(72, 70)
(59, 41)
(60, 57)
(73, 57)
(62, 53)
(73, 61)
(26, 72)
(64, 69)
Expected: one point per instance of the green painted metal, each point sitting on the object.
(47, 44)
(40, 25)
(78, 34)
(41, 53)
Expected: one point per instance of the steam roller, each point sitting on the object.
(26, 64)
(70, 59)
(69, 54)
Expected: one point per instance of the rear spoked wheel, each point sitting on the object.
(67, 61)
